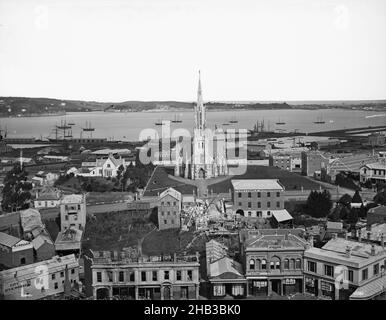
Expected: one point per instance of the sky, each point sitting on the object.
(116, 50)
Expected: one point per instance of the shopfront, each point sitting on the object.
(258, 287)
(236, 290)
(292, 286)
(327, 290)
(311, 286)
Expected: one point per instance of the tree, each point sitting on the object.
(345, 200)
(16, 195)
(356, 198)
(318, 204)
(353, 216)
(380, 198)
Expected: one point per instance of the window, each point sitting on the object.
(75, 218)
(268, 194)
(328, 270)
(53, 276)
(165, 222)
(168, 213)
(277, 204)
(162, 203)
(22, 260)
(66, 217)
(286, 264)
(249, 204)
(268, 213)
(121, 276)
(78, 206)
(298, 264)
(131, 276)
(179, 276)
(169, 203)
(264, 264)
(252, 264)
(249, 195)
(190, 275)
(268, 204)
(166, 275)
(143, 276)
(311, 266)
(174, 203)
(278, 194)
(272, 265)
(239, 195)
(55, 285)
(99, 276)
(365, 274)
(240, 204)
(351, 275)
(277, 265)
(72, 271)
(155, 276)
(259, 204)
(259, 194)
(62, 274)
(376, 269)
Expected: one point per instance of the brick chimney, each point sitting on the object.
(373, 250)
(348, 252)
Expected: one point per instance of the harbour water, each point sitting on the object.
(127, 126)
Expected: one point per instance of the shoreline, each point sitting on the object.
(188, 110)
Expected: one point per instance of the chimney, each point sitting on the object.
(382, 242)
(311, 240)
(360, 235)
(348, 252)
(373, 250)
(353, 233)
(368, 235)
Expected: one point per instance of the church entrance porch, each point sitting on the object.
(201, 174)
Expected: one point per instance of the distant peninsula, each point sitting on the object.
(24, 106)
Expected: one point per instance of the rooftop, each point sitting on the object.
(335, 251)
(69, 239)
(281, 215)
(30, 219)
(10, 241)
(257, 184)
(72, 198)
(274, 240)
(225, 268)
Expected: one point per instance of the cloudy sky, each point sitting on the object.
(115, 50)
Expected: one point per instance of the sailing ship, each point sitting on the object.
(280, 123)
(233, 120)
(319, 120)
(158, 122)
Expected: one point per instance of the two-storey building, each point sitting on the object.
(345, 269)
(257, 197)
(141, 277)
(274, 262)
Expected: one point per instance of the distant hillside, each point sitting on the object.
(23, 106)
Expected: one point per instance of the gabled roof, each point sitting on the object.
(40, 240)
(225, 268)
(276, 241)
(8, 240)
(172, 192)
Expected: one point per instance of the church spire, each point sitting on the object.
(200, 109)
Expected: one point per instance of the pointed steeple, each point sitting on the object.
(200, 109)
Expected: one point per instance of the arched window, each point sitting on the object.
(272, 265)
(286, 264)
(298, 264)
(277, 265)
(252, 264)
(263, 264)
